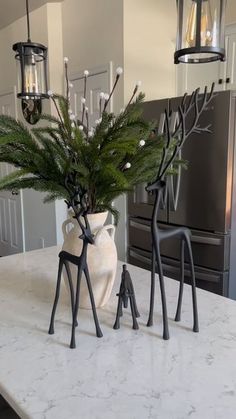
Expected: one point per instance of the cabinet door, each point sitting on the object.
(191, 76)
(97, 82)
(230, 77)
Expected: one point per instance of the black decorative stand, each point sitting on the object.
(126, 294)
(81, 263)
(158, 235)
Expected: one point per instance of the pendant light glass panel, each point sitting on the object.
(201, 31)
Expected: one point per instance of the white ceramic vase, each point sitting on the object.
(101, 258)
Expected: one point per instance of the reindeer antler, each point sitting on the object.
(181, 132)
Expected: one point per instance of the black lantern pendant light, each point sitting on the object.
(201, 31)
(32, 67)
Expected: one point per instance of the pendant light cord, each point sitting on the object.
(28, 22)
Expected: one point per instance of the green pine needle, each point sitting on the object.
(58, 159)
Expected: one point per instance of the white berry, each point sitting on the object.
(127, 166)
(119, 71)
(142, 143)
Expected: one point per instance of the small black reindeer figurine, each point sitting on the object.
(126, 293)
(81, 263)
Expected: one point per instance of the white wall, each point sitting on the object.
(149, 34)
(93, 35)
(230, 11)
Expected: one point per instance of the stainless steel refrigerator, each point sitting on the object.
(203, 198)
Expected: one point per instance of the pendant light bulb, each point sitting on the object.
(206, 25)
(191, 26)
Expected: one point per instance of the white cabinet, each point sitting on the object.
(191, 76)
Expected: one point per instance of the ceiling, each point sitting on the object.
(10, 10)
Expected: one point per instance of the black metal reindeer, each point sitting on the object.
(189, 108)
(78, 200)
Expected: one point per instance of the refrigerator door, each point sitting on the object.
(205, 188)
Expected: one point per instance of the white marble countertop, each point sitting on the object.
(125, 375)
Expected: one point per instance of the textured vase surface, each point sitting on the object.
(101, 258)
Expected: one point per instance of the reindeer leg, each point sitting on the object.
(134, 300)
(194, 294)
(135, 323)
(51, 327)
(152, 294)
(181, 284)
(67, 266)
(118, 314)
(163, 295)
(76, 307)
(98, 330)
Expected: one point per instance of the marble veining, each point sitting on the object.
(125, 375)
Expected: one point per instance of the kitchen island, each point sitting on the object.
(127, 374)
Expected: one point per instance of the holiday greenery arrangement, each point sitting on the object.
(71, 160)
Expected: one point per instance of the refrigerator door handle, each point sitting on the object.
(207, 276)
(139, 257)
(174, 187)
(206, 240)
(213, 241)
(140, 226)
